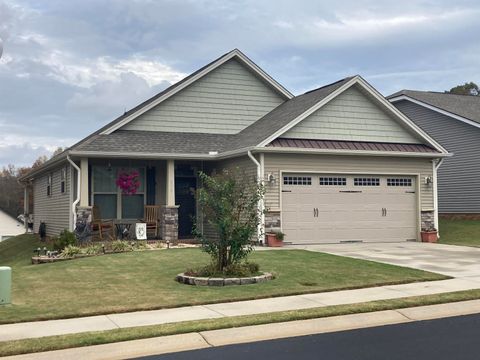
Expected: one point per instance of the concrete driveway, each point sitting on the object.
(455, 261)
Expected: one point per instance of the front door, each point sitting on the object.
(185, 188)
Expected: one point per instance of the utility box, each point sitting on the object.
(5, 285)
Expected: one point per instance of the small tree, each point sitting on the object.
(230, 205)
(469, 88)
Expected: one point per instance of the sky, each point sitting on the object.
(69, 67)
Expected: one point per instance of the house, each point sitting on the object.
(339, 163)
(454, 122)
(9, 226)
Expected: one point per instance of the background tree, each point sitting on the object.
(11, 191)
(57, 151)
(229, 202)
(469, 88)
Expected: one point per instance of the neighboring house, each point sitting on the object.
(9, 226)
(454, 122)
(340, 163)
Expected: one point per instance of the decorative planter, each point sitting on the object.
(272, 240)
(429, 236)
(205, 281)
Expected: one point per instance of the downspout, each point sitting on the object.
(436, 164)
(74, 204)
(260, 202)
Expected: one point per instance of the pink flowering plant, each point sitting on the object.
(128, 181)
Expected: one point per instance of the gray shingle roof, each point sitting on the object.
(466, 106)
(128, 141)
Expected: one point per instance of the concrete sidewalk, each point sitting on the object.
(213, 338)
(252, 307)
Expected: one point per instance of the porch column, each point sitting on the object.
(26, 206)
(84, 211)
(84, 182)
(169, 211)
(170, 183)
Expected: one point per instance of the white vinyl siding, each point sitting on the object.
(351, 116)
(225, 101)
(274, 163)
(55, 209)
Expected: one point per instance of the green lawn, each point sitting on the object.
(460, 232)
(145, 280)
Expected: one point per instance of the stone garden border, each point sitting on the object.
(211, 281)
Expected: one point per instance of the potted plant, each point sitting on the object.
(274, 238)
(429, 235)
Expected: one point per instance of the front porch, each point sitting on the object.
(168, 184)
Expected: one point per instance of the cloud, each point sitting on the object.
(69, 67)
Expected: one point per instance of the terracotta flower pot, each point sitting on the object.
(272, 241)
(429, 236)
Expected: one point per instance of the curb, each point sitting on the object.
(231, 336)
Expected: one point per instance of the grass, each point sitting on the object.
(103, 337)
(460, 232)
(145, 280)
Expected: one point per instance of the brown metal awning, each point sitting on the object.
(350, 145)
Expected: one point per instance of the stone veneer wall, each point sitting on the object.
(272, 221)
(428, 221)
(169, 223)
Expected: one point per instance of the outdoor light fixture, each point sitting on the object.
(428, 180)
(270, 178)
(103, 248)
(168, 244)
(45, 250)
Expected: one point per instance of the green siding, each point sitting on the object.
(224, 101)
(351, 116)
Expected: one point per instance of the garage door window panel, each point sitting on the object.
(297, 180)
(333, 181)
(366, 181)
(399, 182)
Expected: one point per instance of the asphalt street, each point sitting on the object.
(449, 338)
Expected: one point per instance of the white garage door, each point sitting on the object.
(336, 208)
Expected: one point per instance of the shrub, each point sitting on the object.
(245, 269)
(279, 235)
(121, 246)
(66, 238)
(230, 204)
(140, 245)
(70, 251)
(93, 249)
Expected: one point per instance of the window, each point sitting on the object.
(399, 182)
(339, 181)
(297, 180)
(63, 178)
(109, 198)
(49, 185)
(366, 181)
(105, 191)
